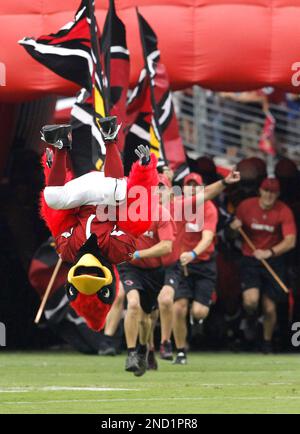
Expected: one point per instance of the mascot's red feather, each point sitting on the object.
(94, 307)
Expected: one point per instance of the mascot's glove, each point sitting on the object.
(109, 128)
(143, 152)
(59, 136)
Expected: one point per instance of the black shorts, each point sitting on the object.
(200, 283)
(254, 275)
(148, 282)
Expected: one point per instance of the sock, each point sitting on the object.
(58, 170)
(130, 350)
(142, 349)
(181, 350)
(113, 166)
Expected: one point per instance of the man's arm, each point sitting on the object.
(213, 190)
(287, 244)
(162, 248)
(210, 191)
(204, 243)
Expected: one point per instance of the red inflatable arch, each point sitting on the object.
(219, 44)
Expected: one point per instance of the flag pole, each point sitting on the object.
(264, 262)
(48, 290)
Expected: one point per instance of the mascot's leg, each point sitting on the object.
(113, 163)
(94, 188)
(90, 189)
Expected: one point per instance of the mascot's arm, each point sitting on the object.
(58, 221)
(146, 177)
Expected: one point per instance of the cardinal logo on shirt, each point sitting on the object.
(149, 234)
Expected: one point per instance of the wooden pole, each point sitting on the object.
(48, 290)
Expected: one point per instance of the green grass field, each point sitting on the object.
(211, 383)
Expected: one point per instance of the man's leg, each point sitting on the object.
(131, 325)
(250, 304)
(270, 319)
(152, 362)
(165, 302)
(180, 328)
(132, 318)
(199, 311)
(144, 338)
(112, 321)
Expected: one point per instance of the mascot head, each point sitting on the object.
(91, 286)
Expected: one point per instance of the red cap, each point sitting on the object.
(193, 177)
(164, 180)
(270, 184)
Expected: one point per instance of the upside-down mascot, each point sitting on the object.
(73, 209)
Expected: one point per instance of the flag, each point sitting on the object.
(67, 52)
(115, 57)
(74, 53)
(266, 141)
(150, 111)
(88, 148)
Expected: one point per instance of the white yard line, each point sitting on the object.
(108, 389)
(243, 398)
(64, 388)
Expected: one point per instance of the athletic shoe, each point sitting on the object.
(181, 359)
(107, 350)
(266, 347)
(109, 128)
(151, 361)
(142, 363)
(166, 350)
(132, 362)
(59, 136)
(107, 347)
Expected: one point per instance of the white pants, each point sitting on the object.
(90, 189)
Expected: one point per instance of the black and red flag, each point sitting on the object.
(150, 110)
(67, 52)
(74, 54)
(116, 67)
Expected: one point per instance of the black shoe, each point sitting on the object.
(266, 347)
(107, 347)
(166, 350)
(181, 359)
(142, 361)
(59, 136)
(151, 361)
(109, 128)
(107, 351)
(132, 362)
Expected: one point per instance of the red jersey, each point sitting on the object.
(191, 232)
(161, 230)
(265, 228)
(116, 245)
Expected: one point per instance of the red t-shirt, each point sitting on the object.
(160, 230)
(115, 245)
(189, 233)
(265, 228)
